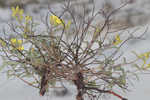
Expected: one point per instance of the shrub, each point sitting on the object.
(79, 50)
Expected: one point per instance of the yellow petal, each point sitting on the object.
(117, 40)
(17, 13)
(21, 12)
(117, 37)
(20, 48)
(58, 21)
(13, 12)
(19, 41)
(51, 20)
(17, 8)
(146, 55)
(54, 20)
(13, 40)
(28, 18)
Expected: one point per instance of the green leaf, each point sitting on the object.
(92, 83)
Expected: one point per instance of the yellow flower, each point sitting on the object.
(28, 18)
(13, 40)
(54, 20)
(14, 11)
(19, 41)
(20, 48)
(117, 40)
(146, 55)
(17, 13)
